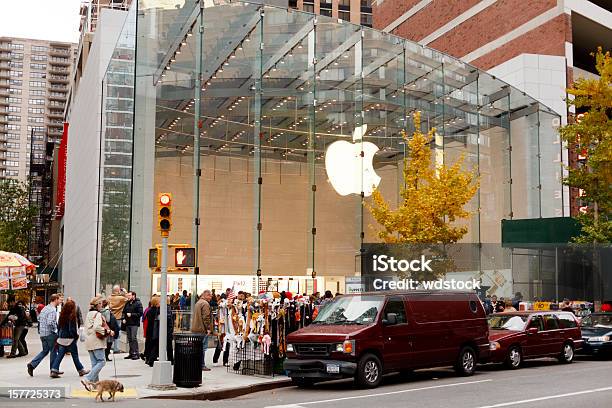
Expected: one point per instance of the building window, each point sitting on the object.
(12, 173)
(17, 74)
(366, 19)
(38, 57)
(36, 129)
(38, 66)
(12, 145)
(345, 3)
(16, 46)
(12, 155)
(366, 3)
(16, 64)
(37, 75)
(17, 55)
(16, 82)
(36, 101)
(326, 12)
(16, 109)
(39, 48)
(34, 119)
(13, 136)
(39, 111)
(11, 126)
(12, 99)
(14, 118)
(37, 92)
(39, 84)
(15, 91)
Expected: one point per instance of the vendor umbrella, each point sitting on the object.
(13, 260)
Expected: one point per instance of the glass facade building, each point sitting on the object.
(231, 106)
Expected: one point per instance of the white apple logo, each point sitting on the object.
(343, 163)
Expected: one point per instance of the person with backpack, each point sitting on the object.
(47, 330)
(113, 325)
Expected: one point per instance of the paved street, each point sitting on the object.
(542, 383)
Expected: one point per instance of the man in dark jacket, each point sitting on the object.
(132, 312)
(19, 319)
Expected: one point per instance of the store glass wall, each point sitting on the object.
(266, 91)
(115, 194)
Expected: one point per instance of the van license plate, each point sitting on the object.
(333, 368)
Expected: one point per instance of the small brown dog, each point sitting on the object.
(110, 386)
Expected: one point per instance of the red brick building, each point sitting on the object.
(538, 46)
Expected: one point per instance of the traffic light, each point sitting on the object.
(164, 215)
(184, 257)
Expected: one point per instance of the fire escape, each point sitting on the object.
(40, 197)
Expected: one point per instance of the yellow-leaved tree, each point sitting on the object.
(432, 198)
(432, 205)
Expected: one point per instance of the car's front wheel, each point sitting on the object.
(567, 353)
(514, 358)
(369, 371)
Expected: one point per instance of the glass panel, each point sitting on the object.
(525, 166)
(338, 113)
(116, 161)
(494, 161)
(551, 165)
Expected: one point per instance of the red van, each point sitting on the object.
(366, 335)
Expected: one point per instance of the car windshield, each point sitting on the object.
(598, 321)
(507, 322)
(350, 310)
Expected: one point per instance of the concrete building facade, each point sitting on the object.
(80, 222)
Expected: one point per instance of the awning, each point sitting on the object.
(539, 231)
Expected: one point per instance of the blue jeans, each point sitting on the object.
(204, 348)
(116, 345)
(74, 352)
(98, 360)
(48, 346)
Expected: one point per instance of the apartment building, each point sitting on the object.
(539, 47)
(34, 79)
(355, 11)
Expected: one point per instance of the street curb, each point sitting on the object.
(227, 393)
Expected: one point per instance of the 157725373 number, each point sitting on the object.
(34, 393)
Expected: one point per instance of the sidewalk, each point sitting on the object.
(135, 376)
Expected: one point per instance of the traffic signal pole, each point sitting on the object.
(162, 369)
(163, 306)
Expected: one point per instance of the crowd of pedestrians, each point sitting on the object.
(61, 327)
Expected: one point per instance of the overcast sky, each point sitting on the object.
(56, 20)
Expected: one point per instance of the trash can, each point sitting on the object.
(187, 360)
